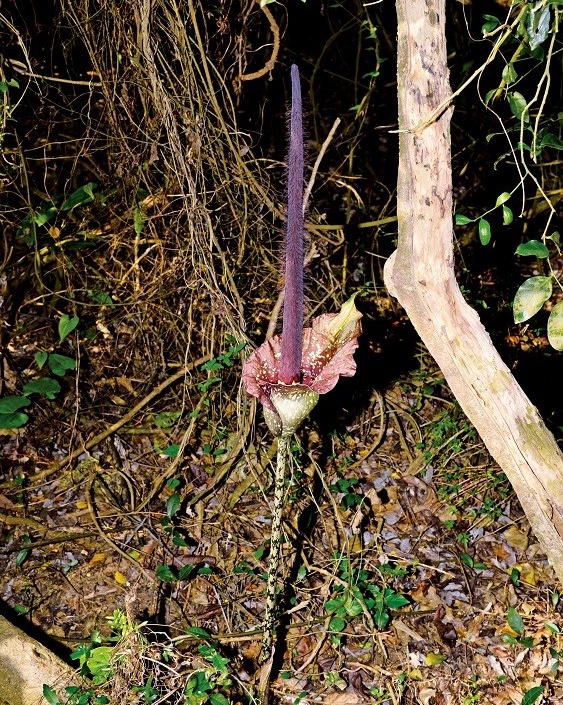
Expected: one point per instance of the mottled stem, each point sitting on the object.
(293, 310)
(282, 459)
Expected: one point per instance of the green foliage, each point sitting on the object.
(531, 37)
(204, 685)
(66, 326)
(59, 365)
(516, 624)
(4, 85)
(555, 326)
(530, 297)
(357, 594)
(45, 386)
(221, 362)
(10, 414)
(350, 498)
(167, 419)
(533, 248)
(48, 210)
(530, 696)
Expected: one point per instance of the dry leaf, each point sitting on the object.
(120, 578)
(516, 538)
(97, 559)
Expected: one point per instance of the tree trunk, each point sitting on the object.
(26, 665)
(420, 274)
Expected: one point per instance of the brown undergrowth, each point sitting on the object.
(144, 485)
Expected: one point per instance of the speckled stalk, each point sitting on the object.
(282, 459)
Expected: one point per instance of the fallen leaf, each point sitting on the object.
(516, 538)
(120, 578)
(97, 559)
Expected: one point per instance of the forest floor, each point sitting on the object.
(410, 573)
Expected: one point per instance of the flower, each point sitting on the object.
(328, 353)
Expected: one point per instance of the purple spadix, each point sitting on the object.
(293, 309)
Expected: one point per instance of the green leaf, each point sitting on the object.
(61, 364)
(15, 420)
(503, 198)
(139, 220)
(555, 327)
(488, 96)
(10, 404)
(83, 194)
(186, 571)
(100, 297)
(537, 26)
(484, 231)
(466, 559)
(173, 504)
(172, 451)
(550, 140)
(491, 23)
(509, 74)
(199, 632)
(50, 695)
(67, 325)
(177, 540)
(218, 699)
(530, 297)
(335, 604)
(166, 419)
(533, 248)
(395, 601)
(434, 659)
(515, 621)
(166, 574)
(22, 557)
(40, 358)
(46, 386)
(518, 105)
(530, 696)
(44, 215)
(507, 215)
(337, 624)
(461, 219)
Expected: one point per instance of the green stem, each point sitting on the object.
(284, 443)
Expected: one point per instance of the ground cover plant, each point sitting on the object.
(142, 206)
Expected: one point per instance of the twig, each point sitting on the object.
(318, 161)
(269, 65)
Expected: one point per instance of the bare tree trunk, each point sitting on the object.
(26, 665)
(421, 275)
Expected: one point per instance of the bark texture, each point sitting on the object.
(26, 665)
(420, 274)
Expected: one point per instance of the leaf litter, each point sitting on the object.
(397, 590)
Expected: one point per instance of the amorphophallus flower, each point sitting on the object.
(327, 353)
(288, 372)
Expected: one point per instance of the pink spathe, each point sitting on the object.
(328, 353)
